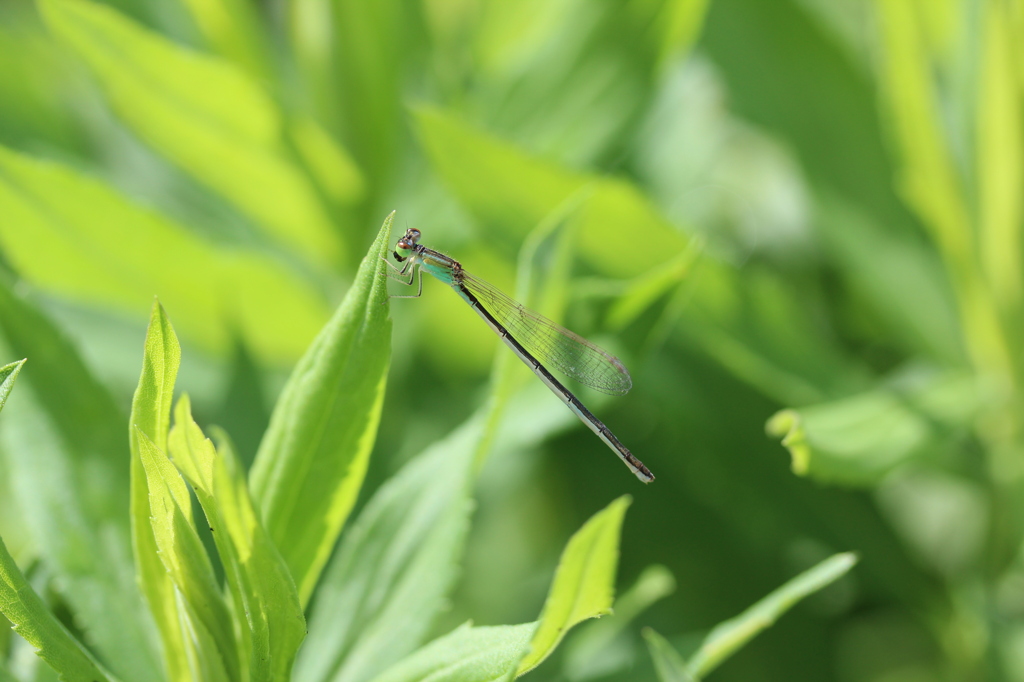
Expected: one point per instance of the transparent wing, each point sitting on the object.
(553, 345)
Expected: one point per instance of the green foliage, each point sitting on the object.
(860, 439)
(312, 461)
(204, 115)
(729, 636)
(389, 577)
(33, 621)
(802, 215)
(64, 449)
(669, 665)
(467, 654)
(26, 611)
(253, 629)
(8, 374)
(582, 588)
(267, 613)
(584, 583)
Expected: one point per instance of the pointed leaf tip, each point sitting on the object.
(8, 374)
(584, 583)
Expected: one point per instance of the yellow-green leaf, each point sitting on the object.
(266, 611)
(728, 637)
(1001, 162)
(183, 555)
(857, 440)
(514, 191)
(73, 236)
(467, 654)
(151, 413)
(584, 584)
(313, 458)
(205, 115)
(8, 375)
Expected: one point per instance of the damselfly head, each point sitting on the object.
(406, 244)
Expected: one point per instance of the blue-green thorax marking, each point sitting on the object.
(446, 269)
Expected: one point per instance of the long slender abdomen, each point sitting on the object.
(566, 396)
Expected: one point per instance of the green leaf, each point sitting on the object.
(395, 566)
(584, 584)
(582, 588)
(899, 276)
(565, 79)
(8, 375)
(647, 288)
(598, 649)
(1001, 164)
(331, 165)
(266, 603)
(366, 69)
(467, 654)
(680, 22)
(857, 440)
(668, 664)
(183, 555)
(26, 611)
(760, 330)
(74, 236)
(756, 325)
(204, 115)
(313, 458)
(514, 191)
(728, 637)
(929, 179)
(151, 413)
(232, 28)
(65, 453)
(54, 644)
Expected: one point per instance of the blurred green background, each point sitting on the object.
(803, 213)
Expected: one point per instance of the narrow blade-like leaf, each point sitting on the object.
(668, 664)
(728, 637)
(313, 458)
(467, 654)
(183, 555)
(929, 177)
(151, 412)
(1001, 164)
(267, 612)
(395, 566)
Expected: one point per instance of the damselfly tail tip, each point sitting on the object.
(642, 472)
